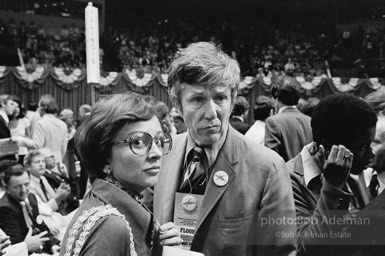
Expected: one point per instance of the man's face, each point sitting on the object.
(10, 107)
(206, 111)
(18, 187)
(50, 162)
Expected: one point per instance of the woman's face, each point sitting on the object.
(37, 166)
(131, 170)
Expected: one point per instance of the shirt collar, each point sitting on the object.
(238, 117)
(286, 107)
(310, 168)
(211, 152)
(34, 179)
(4, 116)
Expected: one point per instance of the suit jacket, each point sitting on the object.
(51, 132)
(288, 132)
(313, 208)
(239, 125)
(4, 130)
(12, 219)
(368, 239)
(230, 220)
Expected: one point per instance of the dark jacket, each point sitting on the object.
(12, 219)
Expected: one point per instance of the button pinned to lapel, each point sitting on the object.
(220, 178)
(39, 219)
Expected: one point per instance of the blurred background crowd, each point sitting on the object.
(348, 39)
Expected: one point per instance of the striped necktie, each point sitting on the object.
(195, 167)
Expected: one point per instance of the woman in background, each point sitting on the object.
(20, 128)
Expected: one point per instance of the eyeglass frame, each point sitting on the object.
(131, 134)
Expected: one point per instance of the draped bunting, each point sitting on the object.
(70, 80)
(71, 89)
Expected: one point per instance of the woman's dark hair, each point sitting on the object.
(22, 109)
(15, 170)
(340, 118)
(108, 116)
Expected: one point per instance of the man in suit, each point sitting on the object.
(289, 130)
(327, 177)
(19, 211)
(50, 131)
(240, 112)
(224, 192)
(7, 108)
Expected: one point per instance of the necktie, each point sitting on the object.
(47, 189)
(373, 186)
(195, 167)
(27, 219)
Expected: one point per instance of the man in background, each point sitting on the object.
(239, 114)
(50, 131)
(289, 130)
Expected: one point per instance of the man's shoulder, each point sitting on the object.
(5, 203)
(252, 151)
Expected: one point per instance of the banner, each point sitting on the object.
(92, 44)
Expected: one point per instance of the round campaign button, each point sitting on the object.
(189, 203)
(39, 219)
(221, 178)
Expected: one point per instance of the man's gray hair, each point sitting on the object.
(202, 63)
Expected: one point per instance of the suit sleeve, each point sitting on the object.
(272, 135)
(276, 218)
(312, 223)
(10, 224)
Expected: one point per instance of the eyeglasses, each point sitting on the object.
(141, 142)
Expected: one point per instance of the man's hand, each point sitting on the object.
(4, 243)
(62, 192)
(337, 167)
(35, 243)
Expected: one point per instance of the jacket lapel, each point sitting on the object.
(226, 159)
(168, 182)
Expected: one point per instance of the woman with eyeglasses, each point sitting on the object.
(121, 145)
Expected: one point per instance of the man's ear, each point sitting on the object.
(178, 107)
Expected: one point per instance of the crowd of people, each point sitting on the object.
(129, 176)
(261, 46)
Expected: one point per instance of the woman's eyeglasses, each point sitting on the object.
(140, 143)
